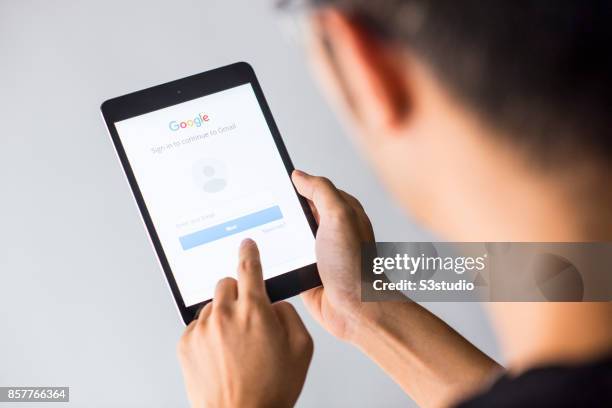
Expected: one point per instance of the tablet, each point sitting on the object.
(208, 168)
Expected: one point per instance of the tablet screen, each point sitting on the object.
(211, 175)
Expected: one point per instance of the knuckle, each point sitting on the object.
(324, 182)
(283, 309)
(227, 281)
(222, 312)
(355, 202)
(252, 299)
(309, 344)
(225, 285)
(257, 308)
(305, 343)
(341, 213)
(220, 315)
(287, 306)
(251, 319)
(249, 264)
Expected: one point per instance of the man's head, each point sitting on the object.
(483, 117)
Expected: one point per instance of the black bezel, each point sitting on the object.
(183, 90)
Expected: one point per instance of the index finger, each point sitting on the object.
(250, 276)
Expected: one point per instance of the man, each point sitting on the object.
(489, 121)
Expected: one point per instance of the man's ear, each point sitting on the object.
(367, 77)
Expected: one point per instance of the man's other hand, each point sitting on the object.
(343, 226)
(243, 351)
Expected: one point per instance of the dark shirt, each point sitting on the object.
(586, 385)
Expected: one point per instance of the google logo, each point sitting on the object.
(195, 122)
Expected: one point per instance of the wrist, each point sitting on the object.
(379, 319)
(365, 319)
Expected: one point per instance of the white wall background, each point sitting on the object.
(82, 302)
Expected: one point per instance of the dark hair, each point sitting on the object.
(540, 71)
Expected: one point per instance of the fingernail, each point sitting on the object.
(246, 242)
(300, 173)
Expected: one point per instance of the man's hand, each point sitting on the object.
(343, 226)
(427, 358)
(243, 351)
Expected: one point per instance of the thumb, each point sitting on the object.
(322, 192)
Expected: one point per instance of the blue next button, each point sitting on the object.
(231, 227)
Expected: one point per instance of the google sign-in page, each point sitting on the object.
(211, 175)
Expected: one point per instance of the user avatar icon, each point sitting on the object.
(210, 175)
